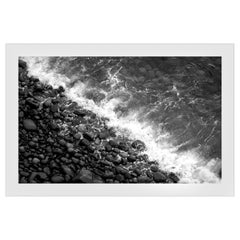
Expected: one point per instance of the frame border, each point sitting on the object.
(224, 188)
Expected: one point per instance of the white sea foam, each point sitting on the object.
(190, 167)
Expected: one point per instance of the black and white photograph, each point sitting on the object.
(127, 120)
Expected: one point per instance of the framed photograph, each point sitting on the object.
(119, 120)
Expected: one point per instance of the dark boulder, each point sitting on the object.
(159, 177)
(57, 179)
(32, 102)
(154, 168)
(29, 124)
(88, 136)
(139, 145)
(103, 135)
(85, 142)
(54, 108)
(131, 158)
(144, 179)
(108, 148)
(22, 64)
(173, 177)
(113, 143)
(79, 112)
(84, 176)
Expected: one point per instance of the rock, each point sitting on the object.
(113, 143)
(85, 142)
(35, 161)
(75, 160)
(39, 175)
(60, 89)
(39, 87)
(25, 174)
(137, 171)
(97, 179)
(67, 170)
(139, 145)
(57, 179)
(62, 142)
(22, 64)
(103, 135)
(173, 177)
(84, 176)
(123, 154)
(78, 136)
(131, 158)
(143, 179)
(70, 150)
(123, 146)
(32, 103)
(119, 177)
(159, 177)
(47, 170)
(108, 174)
(88, 136)
(69, 145)
(154, 168)
(108, 148)
(29, 124)
(54, 108)
(79, 112)
(42, 175)
(21, 149)
(47, 103)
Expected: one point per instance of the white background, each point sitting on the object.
(122, 21)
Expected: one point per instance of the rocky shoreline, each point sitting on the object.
(60, 142)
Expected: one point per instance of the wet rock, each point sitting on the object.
(85, 142)
(108, 174)
(47, 170)
(103, 135)
(21, 149)
(54, 108)
(84, 176)
(47, 103)
(173, 177)
(143, 179)
(79, 112)
(33, 103)
(57, 179)
(29, 124)
(35, 161)
(23, 173)
(22, 64)
(39, 175)
(78, 136)
(131, 158)
(108, 148)
(62, 142)
(60, 89)
(154, 168)
(97, 179)
(123, 154)
(139, 145)
(159, 177)
(113, 143)
(137, 171)
(123, 146)
(39, 87)
(119, 177)
(88, 136)
(67, 170)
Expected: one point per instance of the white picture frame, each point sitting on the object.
(224, 188)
